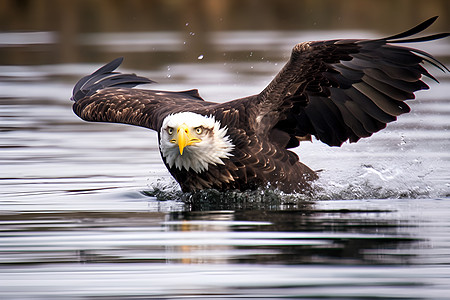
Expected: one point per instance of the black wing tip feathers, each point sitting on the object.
(412, 31)
(400, 37)
(105, 77)
(406, 37)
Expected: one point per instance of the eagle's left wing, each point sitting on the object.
(341, 90)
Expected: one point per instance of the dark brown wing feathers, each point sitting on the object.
(351, 88)
(336, 90)
(145, 108)
(106, 77)
(107, 96)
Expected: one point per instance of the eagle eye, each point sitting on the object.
(170, 130)
(199, 130)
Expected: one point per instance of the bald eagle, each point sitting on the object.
(335, 90)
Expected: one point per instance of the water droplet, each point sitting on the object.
(200, 56)
(187, 23)
(402, 142)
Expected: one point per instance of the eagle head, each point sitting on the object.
(192, 141)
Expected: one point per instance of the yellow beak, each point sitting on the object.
(184, 138)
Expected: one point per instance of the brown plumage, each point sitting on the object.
(337, 91)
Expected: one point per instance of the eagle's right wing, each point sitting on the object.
(108, 96)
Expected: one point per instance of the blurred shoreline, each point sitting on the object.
(64, 22)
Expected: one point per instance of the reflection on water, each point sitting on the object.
(314, 234)
(88, 210)
(350, 249)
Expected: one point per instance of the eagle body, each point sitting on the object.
(252, 161)
(336, 91)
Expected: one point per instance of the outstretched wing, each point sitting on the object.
(108, 96)
(341, 90)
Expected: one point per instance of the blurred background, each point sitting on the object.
(62, 31)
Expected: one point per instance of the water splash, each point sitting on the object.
(379, 182)
(382, 181)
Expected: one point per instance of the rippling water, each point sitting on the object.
(89, 211)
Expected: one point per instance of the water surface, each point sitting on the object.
(80, 218)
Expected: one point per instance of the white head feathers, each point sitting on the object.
(209, 145)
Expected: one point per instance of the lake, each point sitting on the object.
(88, 211)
